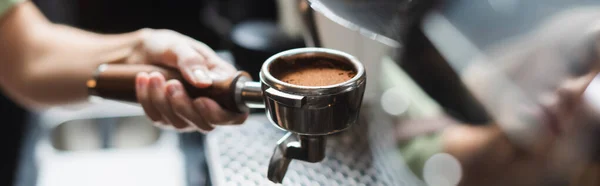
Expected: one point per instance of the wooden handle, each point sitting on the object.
(117, 82)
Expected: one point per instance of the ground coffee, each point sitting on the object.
(319, 73)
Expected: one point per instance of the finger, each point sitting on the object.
(240, 119)
(157, 47)
(218, 68)
(192, 65)
(214, 62)
(160, 102)
(190, 129)
(203, 49)
(142, 82)
(215, 114)
(211, 56)
(163, 125)
(212, 59)
(182, 105)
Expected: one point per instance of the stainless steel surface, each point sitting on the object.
(311, 35)
(248, 94)
(104, 133)
(385, 19)
(366, 154)
(305, 148)
(279, 162)
(70, 149)
(313, 147)
(318, 110)
(251, 94)
(285, 98)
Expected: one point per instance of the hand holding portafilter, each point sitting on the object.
(308, 113)
(117, 81)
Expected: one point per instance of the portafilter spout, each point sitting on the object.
(300, 147)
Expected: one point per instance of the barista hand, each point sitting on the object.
(37, 56)
(166, 102)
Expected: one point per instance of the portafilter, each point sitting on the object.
(307, 113)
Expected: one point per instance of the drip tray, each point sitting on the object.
(105, 143)
(240, 155)
(105, 133)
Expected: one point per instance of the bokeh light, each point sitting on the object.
(442, 170)
(394, 102)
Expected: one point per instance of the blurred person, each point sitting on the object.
(44, 64)
(542, 90)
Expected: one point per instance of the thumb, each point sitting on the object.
(192, 66)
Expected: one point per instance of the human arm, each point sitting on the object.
(44, 64)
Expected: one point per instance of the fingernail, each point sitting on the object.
(202, 76)
(155, 73)
(140, 83)
(158, 123)
(201, 131)
(154, 82)
(173, 89)
(215, 75)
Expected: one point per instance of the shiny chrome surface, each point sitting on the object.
(317, 110)
(311, 36)
(249, 94)
(381, 20)
(285, 98)
(279, 162)
(317, 53)
(305, 148)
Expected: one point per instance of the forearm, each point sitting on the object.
(45, 64)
